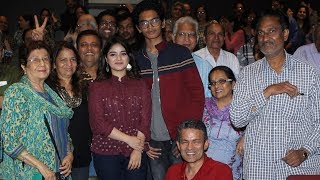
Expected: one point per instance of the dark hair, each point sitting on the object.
(75, 19)
(306, 23)
(282, 18)
(134, 72)
(107, 12)
(205, 9)
(145, 6)
(29, 17)
(123, 16)
(229, 73)
(33, 46)
(75, 80)
(45, 9)
(192, 124)
(89, 32)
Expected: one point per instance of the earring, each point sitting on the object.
(129, 67)
(107, 67)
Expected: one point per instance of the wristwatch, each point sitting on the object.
(304, 153)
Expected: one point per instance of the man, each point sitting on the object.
(311, 52)
(171, 74)
(187, 9)
(192, 142)
(213, 55)
(89, 47)
(128, 31)
(107, 25)
(185, 33)
(277, 99)
(85, 22)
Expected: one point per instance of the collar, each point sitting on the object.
(287, 62)
(184, 166)
(162, 45)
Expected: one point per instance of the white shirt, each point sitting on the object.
(225, 59)
(309, 54)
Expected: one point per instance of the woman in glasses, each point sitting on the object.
(120, 114)
(224, 139)
(29, 150)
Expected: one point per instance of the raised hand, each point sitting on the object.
(39, 31)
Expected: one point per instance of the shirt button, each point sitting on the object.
(254, 109)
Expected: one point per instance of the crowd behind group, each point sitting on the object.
(149, 91)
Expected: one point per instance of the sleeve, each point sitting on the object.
(206, 118)
(146, 111)
(312, 143)
(246, 104)
(193, 83)
(98, 123)
(13, 117)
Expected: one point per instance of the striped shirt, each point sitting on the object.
(280, 123)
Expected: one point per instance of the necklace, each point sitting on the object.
(72, 102)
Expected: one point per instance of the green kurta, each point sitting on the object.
(22, 127)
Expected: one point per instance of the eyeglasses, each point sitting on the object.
(269, 32)
(37, 60)
(201, 12)
(186, 34)
(108, 24)
(219, 81)
(155, 22)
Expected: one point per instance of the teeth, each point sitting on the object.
(190, 153)
(89, 54)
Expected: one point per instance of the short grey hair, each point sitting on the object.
(185, 19)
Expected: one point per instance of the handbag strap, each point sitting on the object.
(51, 137)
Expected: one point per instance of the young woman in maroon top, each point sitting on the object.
(120, 113)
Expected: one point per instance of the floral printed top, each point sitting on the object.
(223, 137)
(22, 127)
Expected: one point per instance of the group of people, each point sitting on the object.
(144, 101)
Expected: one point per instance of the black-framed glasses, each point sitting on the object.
(219, 81)
(155, 22)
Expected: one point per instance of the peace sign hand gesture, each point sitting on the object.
(39, 31)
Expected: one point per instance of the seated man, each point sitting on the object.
(192, 142)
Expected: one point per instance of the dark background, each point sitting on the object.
(14, 8)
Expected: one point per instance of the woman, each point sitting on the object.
(53, 25)
(303, 21)
(29, 149)
(234, 36)
(202, 18)
(65, 80)
(120, 113)
(223, 137)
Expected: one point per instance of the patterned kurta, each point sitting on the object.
(279, 123)
(23, 128)
(223, 137)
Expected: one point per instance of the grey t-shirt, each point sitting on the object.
(159, 131)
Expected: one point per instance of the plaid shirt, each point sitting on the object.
(279, 123)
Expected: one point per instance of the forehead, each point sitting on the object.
(126, 21)
(269, 21)
(218, 73)
(89, 38)
(36, 52)
(3, 19)
(190, 134)
(214, 27)
(108, 18)
(186, 27)
(148, 14)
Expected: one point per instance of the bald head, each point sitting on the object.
(86, 22)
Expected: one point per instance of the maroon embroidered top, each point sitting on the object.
(125, 105)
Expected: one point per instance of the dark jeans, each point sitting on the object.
(160, 165)
(80, 173)
(114, 167)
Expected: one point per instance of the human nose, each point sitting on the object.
(68, 62)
